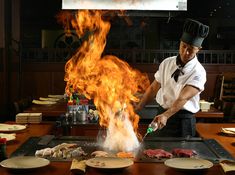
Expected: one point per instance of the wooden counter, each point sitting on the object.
(31, 130)
(57, 168)
(213, 130)
(211, 113)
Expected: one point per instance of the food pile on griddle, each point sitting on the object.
(70, 150)
(64, 151)
(121, 154)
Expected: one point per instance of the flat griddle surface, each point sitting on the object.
(207, 149)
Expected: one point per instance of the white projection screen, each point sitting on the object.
(173, 5)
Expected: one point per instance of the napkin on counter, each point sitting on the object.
(228, 167)
(78, 167)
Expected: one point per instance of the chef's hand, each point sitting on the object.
(161, 120)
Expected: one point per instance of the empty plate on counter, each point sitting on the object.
(229, 131)
(11, 127)
(9, 137)
(24, 162)
(56, 96)
(39, 102)
(188, 163)
(48, 99)
(109, 162)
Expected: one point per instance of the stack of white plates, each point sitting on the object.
(22, 118)
(35, 118)
(29, 118)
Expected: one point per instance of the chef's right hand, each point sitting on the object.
(161, 120)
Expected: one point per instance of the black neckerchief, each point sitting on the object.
(179, 70)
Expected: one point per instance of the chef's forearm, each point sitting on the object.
(176, 106)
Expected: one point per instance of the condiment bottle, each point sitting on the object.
(3, 154)
(152, 127)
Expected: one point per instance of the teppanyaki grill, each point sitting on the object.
(208, 149)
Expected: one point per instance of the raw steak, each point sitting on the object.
(157, 153)
(180, 152)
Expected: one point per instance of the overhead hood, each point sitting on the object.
(163, 5)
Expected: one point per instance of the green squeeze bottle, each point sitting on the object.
(153, 126)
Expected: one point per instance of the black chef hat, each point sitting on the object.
(194, 32)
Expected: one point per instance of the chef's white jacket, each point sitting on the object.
(194, 74)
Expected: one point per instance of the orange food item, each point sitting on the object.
(125, 155)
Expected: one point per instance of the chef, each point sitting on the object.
(177, 85)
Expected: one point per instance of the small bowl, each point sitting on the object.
(205, 105)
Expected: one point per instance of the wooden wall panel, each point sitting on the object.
(2, 102)
(58, 83)
(2, 24)
(43, 79)
(14, 83)
(36, 84)
(209, 90)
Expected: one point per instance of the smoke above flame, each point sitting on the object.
(109, 81)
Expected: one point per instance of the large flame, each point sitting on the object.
(109, 81)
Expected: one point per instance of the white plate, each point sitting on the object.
(48, 99)
(230, 131)
(109, 162)
(56, 96)
(9, 137)
(11, 128)
(188, 163)
(24, 162)
(38, 102)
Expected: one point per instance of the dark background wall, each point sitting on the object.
(31, 24)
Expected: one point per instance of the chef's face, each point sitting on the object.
(187, 52)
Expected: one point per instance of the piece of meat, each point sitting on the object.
(99, 154)
(181, 152)
(125, 155)
(157, 153)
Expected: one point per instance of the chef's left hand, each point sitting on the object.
(161, 120)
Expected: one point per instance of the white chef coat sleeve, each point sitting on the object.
(198, 80)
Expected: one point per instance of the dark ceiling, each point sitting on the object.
(212, 8)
